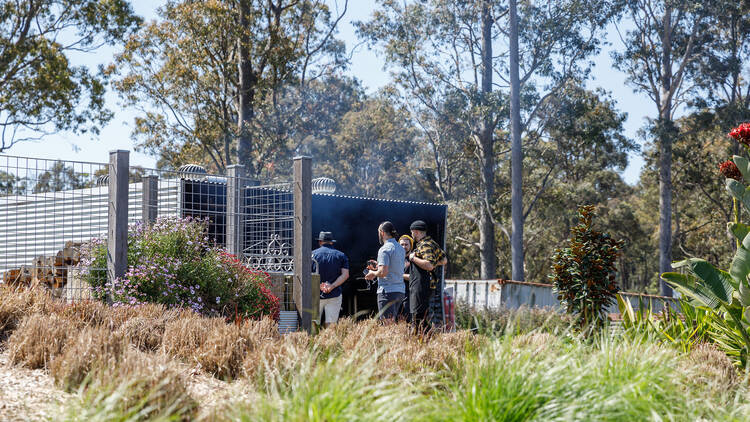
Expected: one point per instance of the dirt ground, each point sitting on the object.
(27, 395)
(31, 395)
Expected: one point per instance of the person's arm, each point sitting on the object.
(341, 279)
(384, 260)
(421, 263)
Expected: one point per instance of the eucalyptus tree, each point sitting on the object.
(439, 48)
(209, 78)
(660, 57)
(40, 90)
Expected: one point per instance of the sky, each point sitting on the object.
(366, 65)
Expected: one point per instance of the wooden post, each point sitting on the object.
(235, 200)
(304, 298)
(117, 226)
(150, 198)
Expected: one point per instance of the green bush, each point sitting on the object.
(583, 273)
(173, 262)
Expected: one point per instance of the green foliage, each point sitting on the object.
(182, 72)
(502, 322)
(684, 329)
(40, 89)
(173, 262)
(584, 271)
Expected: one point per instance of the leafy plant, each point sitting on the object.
(583, 273)
(684, 329)
(725, 294)
(173, 262)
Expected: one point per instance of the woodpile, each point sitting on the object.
(50, 271)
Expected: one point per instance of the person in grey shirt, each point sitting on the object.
(390, 272)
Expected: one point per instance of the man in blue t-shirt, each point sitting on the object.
(333, 267)
(390, 272)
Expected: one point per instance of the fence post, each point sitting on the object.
(117, 225)
(303, 291)
(235, 231)
(150, 198)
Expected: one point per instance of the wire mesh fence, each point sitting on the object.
(50, 210)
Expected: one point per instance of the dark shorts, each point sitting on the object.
(389, 304)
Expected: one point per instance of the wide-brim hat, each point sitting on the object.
(326, 237)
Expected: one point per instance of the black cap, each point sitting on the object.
(326, 237)
(418, 225)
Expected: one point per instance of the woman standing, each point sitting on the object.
(407, 243)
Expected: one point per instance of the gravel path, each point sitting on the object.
(27, 395)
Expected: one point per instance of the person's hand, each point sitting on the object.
(325, 287)
(370, 275)
(412, 255)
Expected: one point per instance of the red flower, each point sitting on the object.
(741, 133)
(730, 170)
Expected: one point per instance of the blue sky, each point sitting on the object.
(366, 65)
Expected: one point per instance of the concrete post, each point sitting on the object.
(117, 227)
(235, 227)
(150, 198)
(304, 298)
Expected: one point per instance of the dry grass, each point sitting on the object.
(38, 339)
(184, 336)
(140, 386)
(16, 303)
(708, 367)
(84, 352)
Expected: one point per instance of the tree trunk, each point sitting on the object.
(488, 259)
(665, 133)
(516, 155)
(246, 89)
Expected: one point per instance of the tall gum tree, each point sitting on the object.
(660, 56)
(437, 49)
(40, 90)
(208, 78)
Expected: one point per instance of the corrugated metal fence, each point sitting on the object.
(492, 294)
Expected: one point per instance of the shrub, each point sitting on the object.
(583, 273)
(172, 262)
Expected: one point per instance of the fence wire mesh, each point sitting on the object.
(51, 210)
(48, 209)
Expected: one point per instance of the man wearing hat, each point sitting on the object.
(423, 261)
(333, 267)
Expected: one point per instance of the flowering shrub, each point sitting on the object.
(172, 262)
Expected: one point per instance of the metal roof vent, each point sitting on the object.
(102, 180)
(323, 185)
(192, 171)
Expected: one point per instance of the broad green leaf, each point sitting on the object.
(689, 286)
(744, 165)
(718, 281)
(740, 267)
(626, 310)
(739, 230)
(744, 292)
(736, 189)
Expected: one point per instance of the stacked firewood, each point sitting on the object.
(50, 271)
